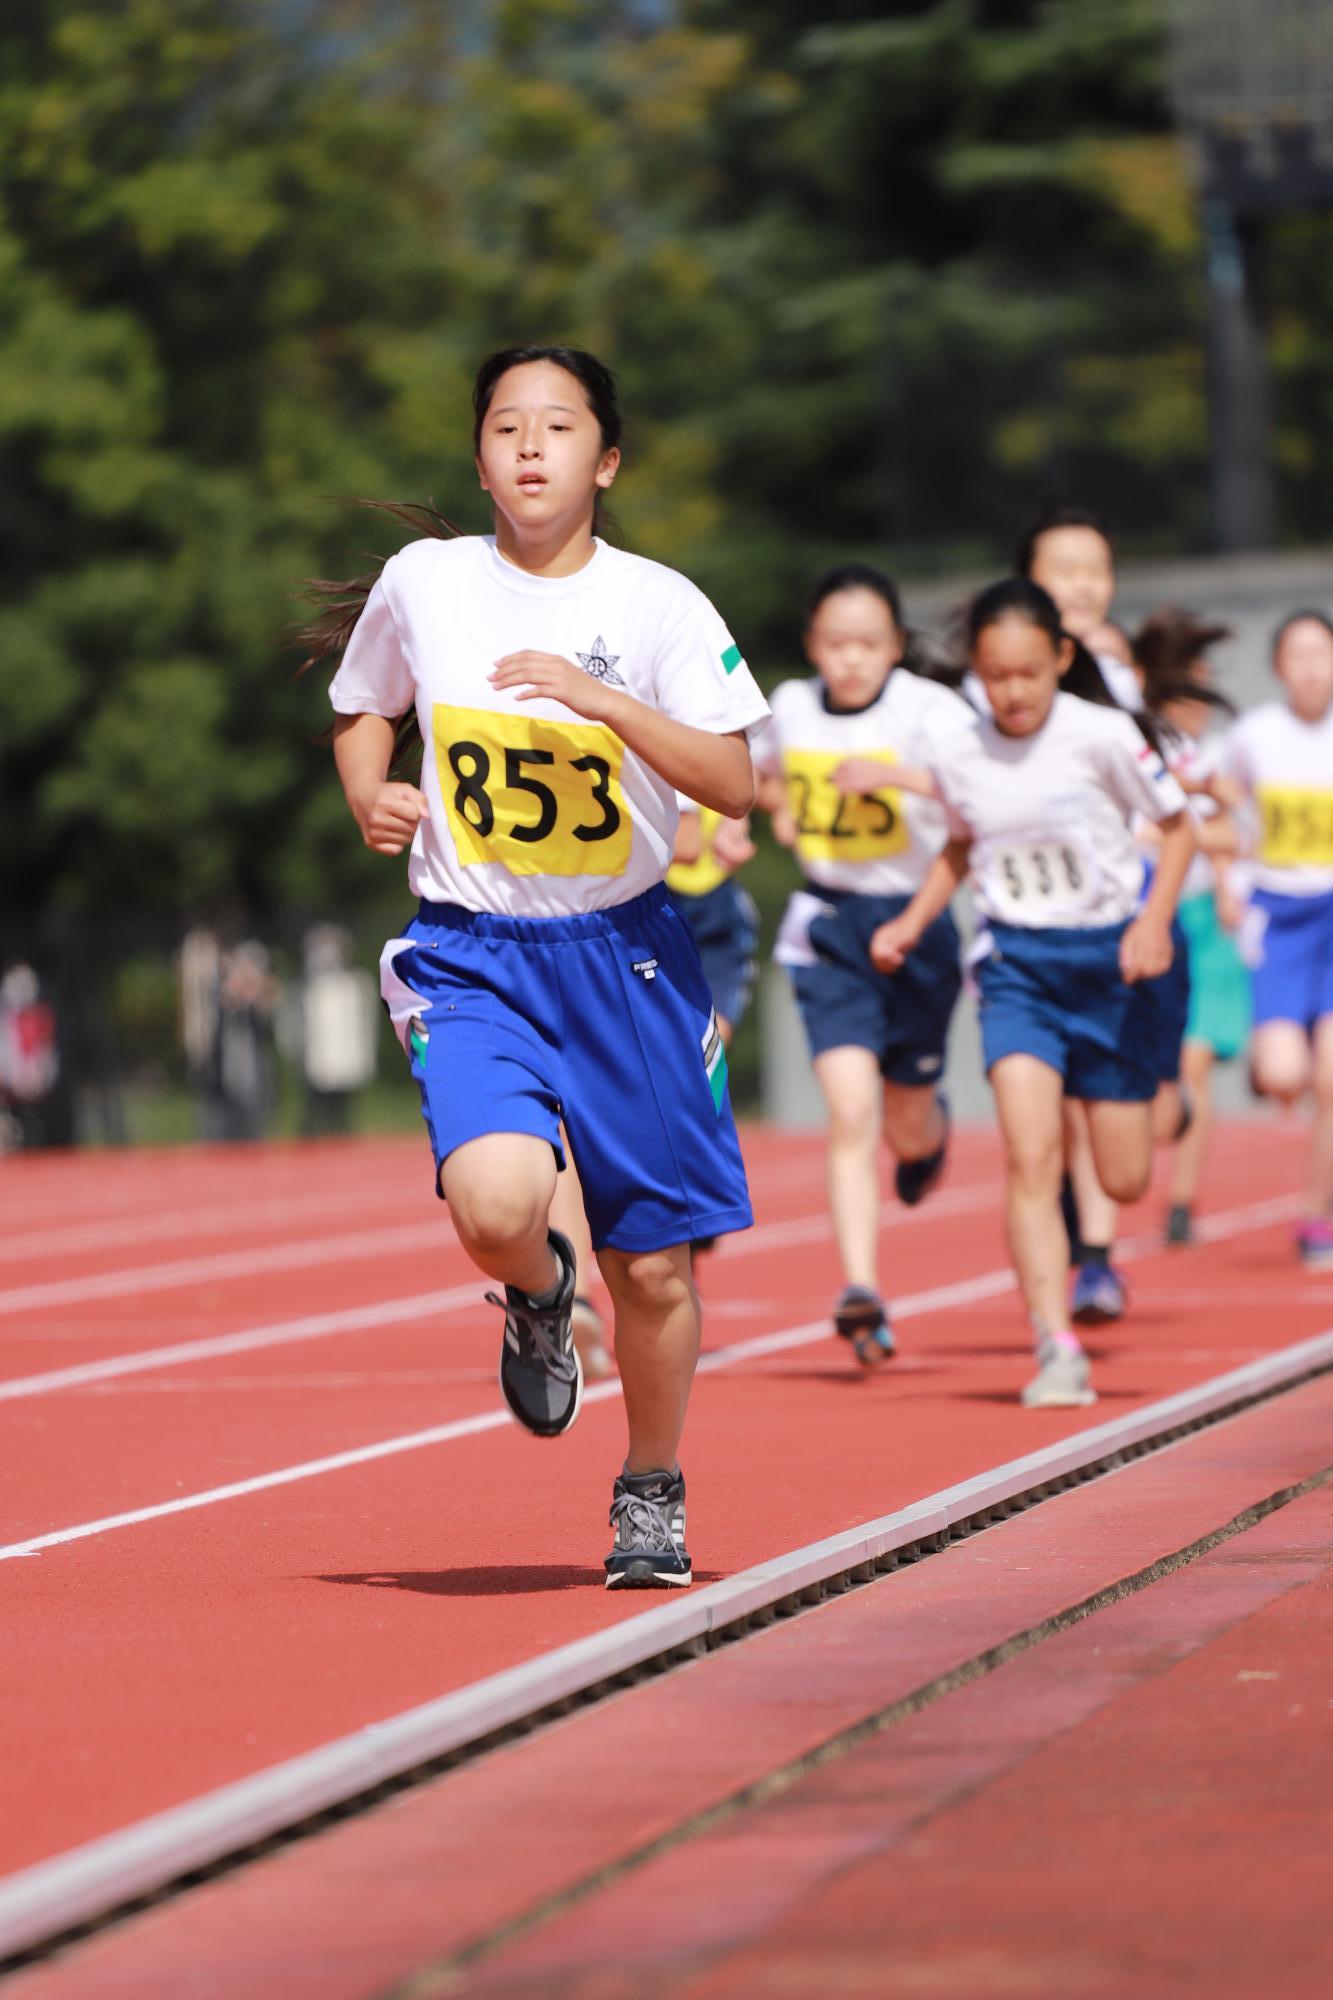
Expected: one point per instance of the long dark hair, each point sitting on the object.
(916, 656)
(1165, 647)
(337, 604)
(1020, 597)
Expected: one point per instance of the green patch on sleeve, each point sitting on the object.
(731, 659)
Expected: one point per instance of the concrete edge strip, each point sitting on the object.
(45, 1901)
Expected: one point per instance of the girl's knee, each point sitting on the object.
(651, 1282)
(491, 1215)
(1036, 1161)
(854, 1127)
(1125, 1180)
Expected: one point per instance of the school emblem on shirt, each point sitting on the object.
(600, 664)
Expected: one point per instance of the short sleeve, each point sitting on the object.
(374, 678)
(1135, 773)
(1237, 758)
(699, 674)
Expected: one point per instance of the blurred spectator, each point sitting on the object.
(29, 1059)
(228, 997)
(339, 1020)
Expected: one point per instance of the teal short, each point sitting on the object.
(1219, 1015)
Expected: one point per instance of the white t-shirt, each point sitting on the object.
(876, 843)
(1050, 816)
(534, 811)
(1287, 767)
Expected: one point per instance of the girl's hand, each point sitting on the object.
(1145, 950)
(785, 830)
(732, 843)
(1230, 906)
(1225, 792)
(549, 677)
(867, 774)
(891, 943)
(388, 816)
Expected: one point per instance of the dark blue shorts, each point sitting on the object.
(1293, 980)
(901, 1017)
(725, 924)
(1170, 997)
(601, 1020)
(1058, 995)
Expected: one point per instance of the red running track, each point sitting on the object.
(149, 1662)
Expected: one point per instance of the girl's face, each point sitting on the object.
(1190, 718)
(541, 456)
(1021, 667)
(1074, 565)
(1304, 665)
(853, 643)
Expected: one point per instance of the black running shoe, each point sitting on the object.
(541, 1375)
(861, 1317)
(648, 1515)
(1179, 1224)
(914, 1179)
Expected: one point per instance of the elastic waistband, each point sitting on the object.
(858, 899)
(1069, 937)
(621, 917)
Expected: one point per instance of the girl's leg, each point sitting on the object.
(657, 1346)
(567, 1215)
(1029, 1099)
(1168, 1111)
(1097, 1217)
(1196, 1066)
(854, 1094)
(1280, 1057)
(914, 1122)
(499, 1189)
(1121, 1136)
(1321, 1154)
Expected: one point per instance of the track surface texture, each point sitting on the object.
(258, 1494)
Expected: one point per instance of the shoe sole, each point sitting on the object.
(872, 1353)
(1080, 1399)
(522, 1421)
(642, 1576)
(1095, 1316)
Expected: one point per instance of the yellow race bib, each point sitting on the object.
(541, 798)
(697, 878)
(842, 826)
(1298, 827)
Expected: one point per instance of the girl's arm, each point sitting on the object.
(867, 774)
(689, 839)
(1145, 949)
(388, 815)
(713, 770)
(890, 944)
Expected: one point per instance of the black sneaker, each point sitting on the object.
(914, 1179)
(648, 1515)
(541, 1375)
(861, 1317)
(1179, 1224)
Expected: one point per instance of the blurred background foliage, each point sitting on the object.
(876, 278)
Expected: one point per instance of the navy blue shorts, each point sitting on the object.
(601, 1020)
(1170, 997)
(1293, 980)
(901, 1017)
(1058, 995)
(725, 924)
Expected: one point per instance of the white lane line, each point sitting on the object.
(940, 1298)
(40, 1902)
(116, 1233)
(315, 1326)
(320, 1325)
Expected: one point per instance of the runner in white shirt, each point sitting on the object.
(1283, 756)
(1069, 552)
(564, 692)
(1204, 1000)
(1040, 798)
(832, 765)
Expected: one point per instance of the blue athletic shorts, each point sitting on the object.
(1058, 995)
(602, 1020)
(901, 1017)
(1170, 997)
(725, 924)
(1293, 980)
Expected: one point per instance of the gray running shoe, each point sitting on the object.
(1063, 1380)
(648, 1515)
(541, 1375)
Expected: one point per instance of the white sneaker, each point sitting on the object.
(1063, 1380)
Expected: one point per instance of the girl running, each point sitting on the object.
(1040, 797)
(836, 761)
(1283, 756)
(564, 691)
(1205, 996)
